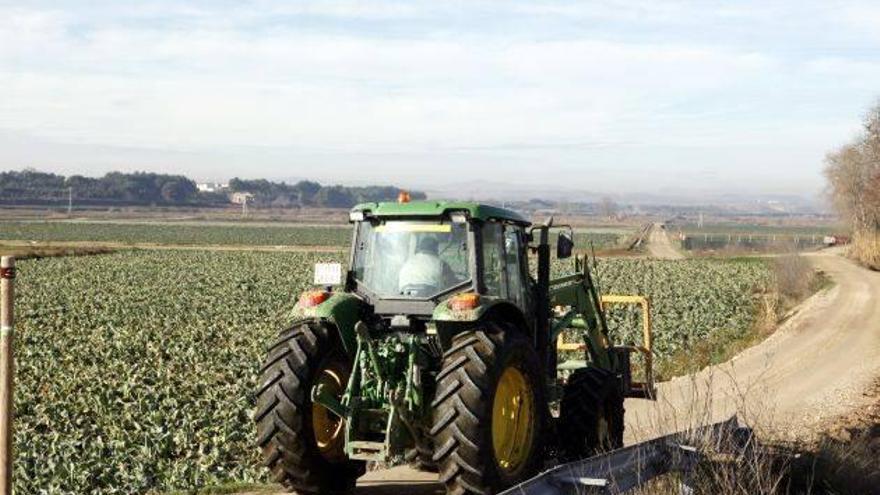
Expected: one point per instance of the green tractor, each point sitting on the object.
(440, 348)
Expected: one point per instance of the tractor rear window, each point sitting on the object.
(411, 258)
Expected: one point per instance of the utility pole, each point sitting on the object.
(7, 371)
(244, 206)
(69, 201)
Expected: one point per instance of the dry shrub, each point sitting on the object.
(853, 173)
(794, 279)
(794, 276)
(768, 312)
(866, 248)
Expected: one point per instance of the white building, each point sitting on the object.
(211, 187)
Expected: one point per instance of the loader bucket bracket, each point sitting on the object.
(646, 389)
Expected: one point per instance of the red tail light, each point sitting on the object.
(464, 302)
(311, 298)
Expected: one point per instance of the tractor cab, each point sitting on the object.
(409, 258)
(440, 347)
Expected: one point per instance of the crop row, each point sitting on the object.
(186, 234)
(213, 234)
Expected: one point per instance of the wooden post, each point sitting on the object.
(7, 371)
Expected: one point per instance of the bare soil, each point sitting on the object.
(659, 245)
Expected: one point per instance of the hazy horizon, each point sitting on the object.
(609, 97)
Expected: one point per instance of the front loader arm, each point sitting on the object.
(581, 308)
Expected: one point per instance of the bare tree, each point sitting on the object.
(853, 172)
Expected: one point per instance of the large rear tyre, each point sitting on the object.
(590, 414)
(488, 412)
(301, 441)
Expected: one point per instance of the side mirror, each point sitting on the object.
(564, 245)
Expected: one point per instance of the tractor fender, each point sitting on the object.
(343, 310)
(490, 308)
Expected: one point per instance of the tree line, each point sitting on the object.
(308, 193)
(144, 188)
(853, 173)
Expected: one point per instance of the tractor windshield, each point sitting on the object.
(416, 259)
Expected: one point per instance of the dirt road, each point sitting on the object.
(659, 245)
(813, 368)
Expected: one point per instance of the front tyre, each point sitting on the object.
(302, 442)
(488, 412)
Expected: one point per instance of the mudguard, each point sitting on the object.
(443, 313)
(343, 310)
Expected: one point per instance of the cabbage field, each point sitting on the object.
(691, 299)
(187, 234)
(136, 369)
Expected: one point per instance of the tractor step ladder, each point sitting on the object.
(366, 451)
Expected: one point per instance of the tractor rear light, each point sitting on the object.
(312, 298)
(464, 302)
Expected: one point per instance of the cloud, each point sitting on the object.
(460, 80)
(204, 87)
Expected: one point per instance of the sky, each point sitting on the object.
(611, 96)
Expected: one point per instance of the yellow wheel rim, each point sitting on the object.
(328, 427)
(513, 412)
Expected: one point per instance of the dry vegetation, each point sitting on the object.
(845, 459)
(841, 460)
(35, 252)
(853, 173)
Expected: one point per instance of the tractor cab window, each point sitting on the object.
(513, 249)
(493, 262)
(411, 258)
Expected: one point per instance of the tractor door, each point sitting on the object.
(516, 267)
